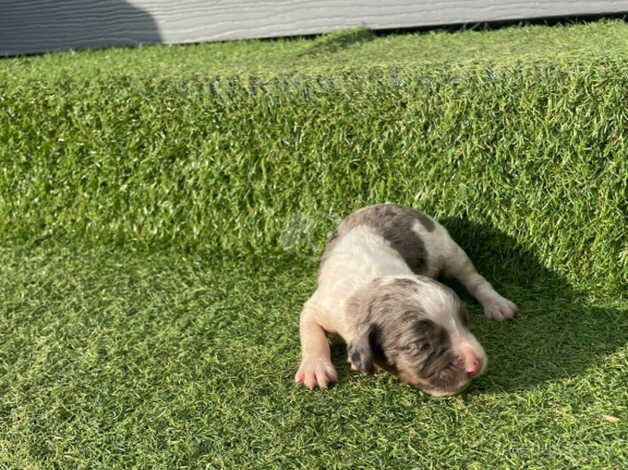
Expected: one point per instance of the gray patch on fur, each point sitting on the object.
(390, 323)
(394, 223)
(463, 315)
(391, 308)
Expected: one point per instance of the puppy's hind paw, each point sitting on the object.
(499, 308)
(316, 372)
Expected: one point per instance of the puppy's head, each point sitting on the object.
(418, 329)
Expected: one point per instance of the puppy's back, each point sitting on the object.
(405, 229)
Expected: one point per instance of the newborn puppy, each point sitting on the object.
(376, 290)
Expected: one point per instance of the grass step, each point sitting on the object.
(165, 153)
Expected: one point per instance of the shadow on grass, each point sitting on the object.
(555, 334)
(337, 41)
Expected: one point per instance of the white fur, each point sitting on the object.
(363, 255)
(360, 257)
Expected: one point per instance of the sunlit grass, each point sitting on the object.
(162, 210)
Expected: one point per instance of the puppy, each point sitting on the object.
(376, 290)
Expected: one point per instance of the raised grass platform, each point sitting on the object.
(162, 208)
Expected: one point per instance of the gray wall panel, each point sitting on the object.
(41, 25)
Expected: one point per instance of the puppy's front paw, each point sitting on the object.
(499, 308)
(316, 372)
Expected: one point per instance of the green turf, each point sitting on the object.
(162, 210)
(111, 358)
(330, 54)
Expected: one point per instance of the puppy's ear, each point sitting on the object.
(363, 349)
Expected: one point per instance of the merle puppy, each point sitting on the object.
(376, 289)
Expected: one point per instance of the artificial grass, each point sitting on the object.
(162, 209)
(331, 54)
(119, 360)
(538, 148)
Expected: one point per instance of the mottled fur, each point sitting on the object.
(376, 290)
(394, 223)
(394, 331)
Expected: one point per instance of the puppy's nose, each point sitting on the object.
(472, 364)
